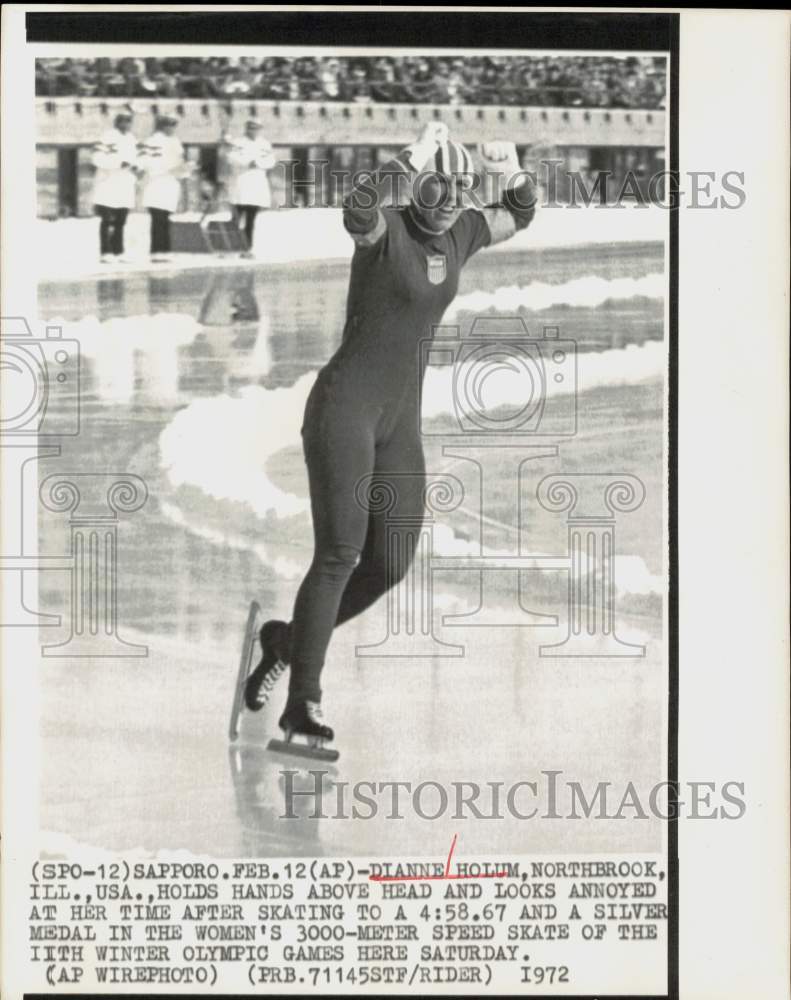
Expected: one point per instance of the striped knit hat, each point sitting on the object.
(449, 159)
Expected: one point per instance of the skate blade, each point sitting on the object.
(248, 647)
(295, 749)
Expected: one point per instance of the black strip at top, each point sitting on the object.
(451, 28)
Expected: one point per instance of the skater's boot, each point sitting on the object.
(275, 638)
(304, 718)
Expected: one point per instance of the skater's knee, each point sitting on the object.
(337, 561)
(342, 555)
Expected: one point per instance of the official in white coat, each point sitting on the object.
(162, 159)
(249, 157)
(115, 159)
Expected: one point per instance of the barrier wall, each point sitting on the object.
(73, 121)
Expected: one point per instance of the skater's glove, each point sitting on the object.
(511, 189)
(501, 158)
(517, 189)
(432, 135)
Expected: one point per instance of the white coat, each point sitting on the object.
(115, 156)
(249, 160)
(162, 159)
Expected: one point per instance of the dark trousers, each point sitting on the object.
(111, 229)
(351, 566)
(245, 220)
(160, 230)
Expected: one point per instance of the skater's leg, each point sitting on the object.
(105, 230)
(160, 231)
(154, 241)
(402, 458)
(166, 232)
(244, 216)
(249, 226)
(119, 222)
(370, 578)
(339, 451)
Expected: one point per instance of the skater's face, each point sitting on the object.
(438, 200)
(123, 125)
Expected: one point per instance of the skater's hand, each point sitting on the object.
(433, 134)
(499, 152)
(501, 158)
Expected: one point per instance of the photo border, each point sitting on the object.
(473, 28)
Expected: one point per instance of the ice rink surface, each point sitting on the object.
(195, 380)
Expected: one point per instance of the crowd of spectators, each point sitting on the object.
(538, 81)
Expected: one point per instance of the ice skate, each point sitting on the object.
(253, 688)
(275, 639)
(305, 721)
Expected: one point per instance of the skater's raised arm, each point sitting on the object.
(481, 225)
(517, 205)
(388, 186)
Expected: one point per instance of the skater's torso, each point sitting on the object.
(399, 289)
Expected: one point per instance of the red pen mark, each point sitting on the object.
(445, 877)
